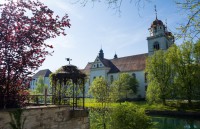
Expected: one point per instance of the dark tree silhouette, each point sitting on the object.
(115, 4)
(24, 26)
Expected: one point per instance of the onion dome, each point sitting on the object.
(101, 54)
(115, 56)
(101, 51)
(156, 23)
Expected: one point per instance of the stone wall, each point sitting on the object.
(48, 117)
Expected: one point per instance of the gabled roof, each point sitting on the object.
(108, 63)
(123, 64)
(43, 73)
(86, 70)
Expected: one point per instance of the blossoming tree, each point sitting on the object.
(24, 26)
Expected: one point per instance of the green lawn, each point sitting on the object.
(171, 105)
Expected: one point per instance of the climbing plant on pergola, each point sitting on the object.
(76, 77)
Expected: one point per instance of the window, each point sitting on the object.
(94, 66)
(155, 29)
(134, 75)
(111, 78)
(145, 77)
(156, 46)
(146, 88)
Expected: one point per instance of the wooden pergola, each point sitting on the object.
(72, 74)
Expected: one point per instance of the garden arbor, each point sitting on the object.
(68, 76)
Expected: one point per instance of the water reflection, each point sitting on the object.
(175, 123)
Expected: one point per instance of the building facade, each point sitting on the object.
(110, 69)
(42, 73)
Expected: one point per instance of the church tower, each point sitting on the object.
(160, 37)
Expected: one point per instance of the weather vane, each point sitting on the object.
(68, 59)
(155, 11)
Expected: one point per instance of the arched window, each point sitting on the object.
(134, 75)
(146, 87)
(156, 46)
(145, 77)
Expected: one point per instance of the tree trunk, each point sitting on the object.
(189, 94)
(164, 101)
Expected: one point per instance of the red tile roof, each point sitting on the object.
(130, 63)
(123, 64)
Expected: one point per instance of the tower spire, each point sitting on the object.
(101, 54)
(115, 56)
(155, 11)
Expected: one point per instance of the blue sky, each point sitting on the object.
(97, 25)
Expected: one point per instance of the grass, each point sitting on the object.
(170, 105)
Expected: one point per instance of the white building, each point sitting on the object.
(42, 73)
(160, 38)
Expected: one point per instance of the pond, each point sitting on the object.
(159, 122)
(175, 123)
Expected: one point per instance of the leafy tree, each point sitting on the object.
(184, 60)
(191, 28)
(100, 118)
(159, 76)
(197, 68)
(100, 89)
(153, 92)
(123, 86)
(129, 116)
(24, 26)
(40, 85)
